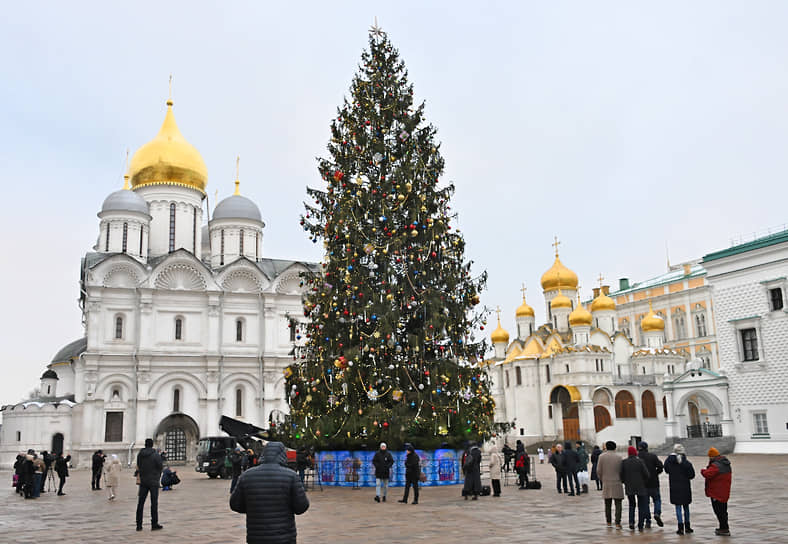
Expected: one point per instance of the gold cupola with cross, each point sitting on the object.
(168, 159)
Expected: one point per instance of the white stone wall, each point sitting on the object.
(740, 286)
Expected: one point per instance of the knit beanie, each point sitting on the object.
(632, 451)
(713, 452)
(383, 445)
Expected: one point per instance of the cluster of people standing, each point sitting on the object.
(637, 477)
(569, 464)
(31, 470)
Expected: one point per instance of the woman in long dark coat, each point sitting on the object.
(680, 471)
(594, 460)
(473, 473)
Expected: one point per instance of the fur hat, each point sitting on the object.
(632, 451)
(714, 452)
(383, 445)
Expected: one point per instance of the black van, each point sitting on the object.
(211, 452)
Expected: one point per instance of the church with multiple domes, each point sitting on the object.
(581, 376)
(185, 320)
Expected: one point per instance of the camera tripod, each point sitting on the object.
(51, 485)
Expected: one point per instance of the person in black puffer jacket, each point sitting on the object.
(149, 465)
(270, 495)
(569, 461)
(654, 466)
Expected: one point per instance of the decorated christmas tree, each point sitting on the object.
(393, 347)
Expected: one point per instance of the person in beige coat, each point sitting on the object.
(495, 470)
(608, 470)
(112, 476)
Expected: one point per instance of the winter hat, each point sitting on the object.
(713, 452)
(678, 448)
(643, 446)
(610, 445)
(383, 445)
(410, 447)
(632, 451)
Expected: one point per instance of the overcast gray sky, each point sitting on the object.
(618, 126)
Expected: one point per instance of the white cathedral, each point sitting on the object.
(183, 322)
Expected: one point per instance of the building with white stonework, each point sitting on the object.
(184, 322)
(749, 286)
(612, 369)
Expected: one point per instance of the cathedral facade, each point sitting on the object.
(610, 368)
(184, 322)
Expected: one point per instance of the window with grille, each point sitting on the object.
(106, 239)
(125, 236)
(118, 328)
(776, 298)
(141, 231)
(176, 400)
(194, 232)
(178, 328)
(760, 425)
(239, 330)
(293, 329)
(172, 227)
(241, 242)
(221, 249)
(113, 431)
(749, 342)
(239, 402)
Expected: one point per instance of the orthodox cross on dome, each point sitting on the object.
(600, 279)
(375, 30)
(523, 290)
(555, 245)
(237, 175)
(126, 175)
(498, 311)
(169, 93)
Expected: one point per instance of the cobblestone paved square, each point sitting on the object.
(197, 512)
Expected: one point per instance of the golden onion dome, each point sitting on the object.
(524, 310)
(499, 334)
(560, 301)
(559, 277)
(168, 159)
(652, 322)
(580, 317)
(602, 303)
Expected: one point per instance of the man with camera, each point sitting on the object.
(97, 464)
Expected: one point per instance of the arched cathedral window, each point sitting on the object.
(179, 328)
(176, 400)
(119, 328)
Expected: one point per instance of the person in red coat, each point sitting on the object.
(718, 488)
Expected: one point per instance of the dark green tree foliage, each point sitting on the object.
(390, 351)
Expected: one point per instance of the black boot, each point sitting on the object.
(687, 528)
(681, 529)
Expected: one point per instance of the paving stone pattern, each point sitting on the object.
(197, 512)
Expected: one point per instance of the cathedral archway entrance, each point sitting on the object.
(565, 399)
(177, 435)
(57, 443)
